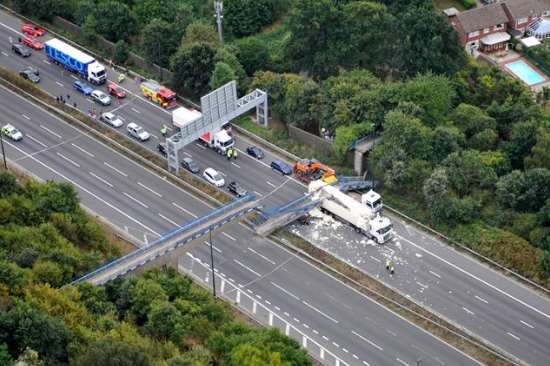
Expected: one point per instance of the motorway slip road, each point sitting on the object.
(512, 316)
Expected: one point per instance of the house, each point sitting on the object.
(483, 28)
(521, 13)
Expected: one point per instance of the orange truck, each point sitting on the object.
(158, 94)
(310, 170)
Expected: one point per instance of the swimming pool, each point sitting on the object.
(525, 72)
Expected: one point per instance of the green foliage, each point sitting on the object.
(192, 66)
(8, 184)
(526, 191)
(540, 152)
(246, 17)
(346, 135)
(471, 119)
(544, 261)
(115, 21)
(222, 74)
(228, 56)
(5, 358)
(467, 172)
(88, 29)
(200, 31)
(249, 355)
(469, 4)
(42, 9)
(159, 42)
(253, 54)
(522, 139)
(121, 53)
(113, 353)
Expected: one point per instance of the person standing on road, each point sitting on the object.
(229, 154)
(234, 154)
(164, 130)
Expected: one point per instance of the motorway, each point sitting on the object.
(468, 293)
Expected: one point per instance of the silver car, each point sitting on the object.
(138, 132)
(101, 97)
(111, 119)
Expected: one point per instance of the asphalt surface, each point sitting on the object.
(509, 315)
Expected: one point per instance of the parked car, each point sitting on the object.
(32, 30)
(162, 148)
(100, 97)
(111, 119)
(82, 87)
(32, 43)
(30, 73)
(213, 177)
(12, 132)
(137, 132)
(116, 91)
(21, 50)
(255, 152)
(190, 165)
(236, 189)
(281, 167)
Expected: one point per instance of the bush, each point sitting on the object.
(121, 53)
(469, 4)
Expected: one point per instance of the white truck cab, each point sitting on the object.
(372, 200)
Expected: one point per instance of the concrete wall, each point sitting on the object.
(309, 139)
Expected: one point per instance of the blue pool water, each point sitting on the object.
(525, 72)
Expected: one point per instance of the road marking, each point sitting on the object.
(513, 336)
(320, 312)
(296, 320)
(421, 284)
(392, 333)
(135, 110)
(261, 255)
(187, 154)
(101, 179)
(201, 146)
(468, 311)
(26, 117)
(50, 131)
(285, 291)
(435, 274)
(305, 325)
(4, 53)
(526, 324)
(228, 236)
(115, 169)
(481, 299)
(135, 200)
(258, 193)
(355, 356)
(315, 331)
(46, 62)
(367, 340)
(345, 350)
(267, 302)
(375, 259)
(402, 362)
(213, 247)
(336, 344)
(74, 77)
(248, 268)
(277, 308)
(150, 190)
(237, 165)
(169, 220)
(478, 279)
(155, 136)
(287, 314)
(366, 363)
(271, 184)
(69, 160)
(184, 210)
(84, 151)
(58, 83)
(37, 141)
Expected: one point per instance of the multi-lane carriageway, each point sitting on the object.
(468, 293)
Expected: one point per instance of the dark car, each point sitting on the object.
(255, 152)
(82, 87)
(30, 73)
(21, 50)
(162, 148)
(190, 165)
(236, 189)
(281, 167)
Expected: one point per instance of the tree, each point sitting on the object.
(407, 133)
(198, 356)
(143, 294)
(43, 9)
(201, 32)
(445, 141)
(471, 119)
(159, 42)
(146, 10)
(251, 355)
(109, 352)
(48, 272)
(253, 54)
(227, 55)
(526, 192)
(544, 261)
(300, 101)
(192, 66)
(484, 140)
(247, 17)
(522, 140)
(543, 216)
(540, 152)
(165, 322)
(8, 184)
(88, 29)
(121, 53)
(115, 21)
(84, 9)
(436, 186)
(346, 135)
(5, 358)
(466, 172)
(222, 74)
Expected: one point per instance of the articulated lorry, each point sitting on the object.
(75, 61)
(362, 217)
(219, 139)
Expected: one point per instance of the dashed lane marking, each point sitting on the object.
(468, 311)
(69, 160)
(46, 62)
(150, 190)
(135, 200)
(237, 165)
(320, 312)
(26, 117)
(246, 267)
(37, 141)
(184, 209)
(285, 291)
(481, 299)
(375, 259)
(271, 184)
(526, 324)
(367, 340)
(228, 236)
(115, 169)
(84, 151)
(434, 274)
(169, 220)
(60, 84)
(50, 131)
(402, 362)
(135, 110)
(101, 179)
(513, 336)
(261, 255)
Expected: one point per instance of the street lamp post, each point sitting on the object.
(212, 266)
(3, 151)
(218, 5)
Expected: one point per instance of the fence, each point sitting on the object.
(246, 303)
(309, 139)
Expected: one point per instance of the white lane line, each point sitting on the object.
(287, 314)
(74, 77)
(258, 194)
(325, 338)
(296, 320)
(285, 291)
(481, 299)
(101, 179)
(58, 83)
(169, 220)
(336, 344)
(155, 136)
(267, 302)
(187, 154)
(46, 62)
(421, 284)
(26, 117)
(355, 356)
(213, 247)
(85, 190)
(184, 210)
(526, 324)
(320, 312)
(4, 53)
(69, 160)
(513, 336)
(115, 169)
(434, 274)
(237, 165)
(477, 278)
(50, 131)
(135, 200)
(248, 268)
(135, 110)
(375, 259)
(345, 350)
(315, 331)
(367, 340)
(201, 146)
(277, 308)
(150, 190)
(468, 311)
(305, 325)
(84, 151)
(37, 141)
(366, 363)
(228, 236)
(261, 255)
(402, 362)
(271, 184)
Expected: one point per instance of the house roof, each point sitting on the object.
(483, 17)
(525, 8)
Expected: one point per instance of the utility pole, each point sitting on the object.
(3, 152)
(212, 266)
(218, 5)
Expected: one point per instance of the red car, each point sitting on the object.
(32, 30)
(32, 43)
(116, 91)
